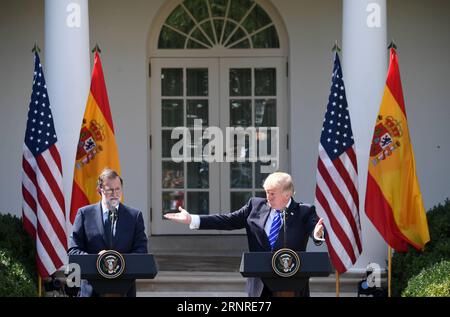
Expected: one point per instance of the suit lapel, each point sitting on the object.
(290, 212)
(264, 213)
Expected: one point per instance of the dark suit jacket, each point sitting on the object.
(300, 222)
(88, 235)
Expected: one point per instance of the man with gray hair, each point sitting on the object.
(262, 221)
(107, 225)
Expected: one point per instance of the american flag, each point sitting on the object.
(43, 200)
(337, 179)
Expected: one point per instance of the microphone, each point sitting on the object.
(283, 213)
(113, 214)
(113, 218)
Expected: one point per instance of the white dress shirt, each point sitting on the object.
(105, 212)
(272, 214)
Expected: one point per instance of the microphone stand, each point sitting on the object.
(113, 218)
(284, 227)
(284, 293)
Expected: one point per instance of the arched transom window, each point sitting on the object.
(204, 24)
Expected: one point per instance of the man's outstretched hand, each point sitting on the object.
(181, 217)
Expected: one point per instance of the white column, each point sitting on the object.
(67, 62)
(364, 54)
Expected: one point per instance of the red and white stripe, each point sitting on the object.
(43, 208)
(338, 204)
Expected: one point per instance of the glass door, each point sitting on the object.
(253, 106)
(184, 99)
(237, 104)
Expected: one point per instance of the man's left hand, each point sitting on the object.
(319, 230)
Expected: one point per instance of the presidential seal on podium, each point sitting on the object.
(110, 264)
(285, 262)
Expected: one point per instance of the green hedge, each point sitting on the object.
(18, 275)
(431, 282)
(408, 266)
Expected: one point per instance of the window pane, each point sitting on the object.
(265, 82)
(198, 35)
(198, 9)
(240, 82)
(260, 177)
(207, 27)
(239, 199)
(171, 201)
(168, 143)
(198, 175)
(241, 175)
(265, 113)
(196, 144)
(197, 109)
(256, 19)
(268, 146)
(194, 44)
(180, 20)
(218, 24)
(198, 202)
(268, 38)
(172, 82)
(260, 194)
(172, 175)
(218, 7)
(197, 81)
(242, 44)
(229, 27)
(240, 113)
(210, 16)
(239, 148)
(239, 8)
(168, 38)
(238, 35)
(172, 113)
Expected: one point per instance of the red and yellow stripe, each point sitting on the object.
(393, 198)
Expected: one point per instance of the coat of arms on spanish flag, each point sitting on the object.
(393, 198)
(97, 146)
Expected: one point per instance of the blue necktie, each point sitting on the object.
(275, 229)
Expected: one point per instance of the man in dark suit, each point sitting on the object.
(259, 217)
(107, 225)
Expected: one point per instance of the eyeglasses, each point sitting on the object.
(109, 191)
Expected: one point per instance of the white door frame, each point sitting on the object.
(219, 172)
(158, 224)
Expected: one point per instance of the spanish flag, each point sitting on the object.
(96, 147)
(393, 199)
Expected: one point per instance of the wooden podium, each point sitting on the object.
(259, 264)
(136, 266)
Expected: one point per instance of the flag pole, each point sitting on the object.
(394, 46)
(336, 49)
(337, 284)
(389, 270)
(96, 49)
(36, 48)
(39, 286)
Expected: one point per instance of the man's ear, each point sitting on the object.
(99, 191)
